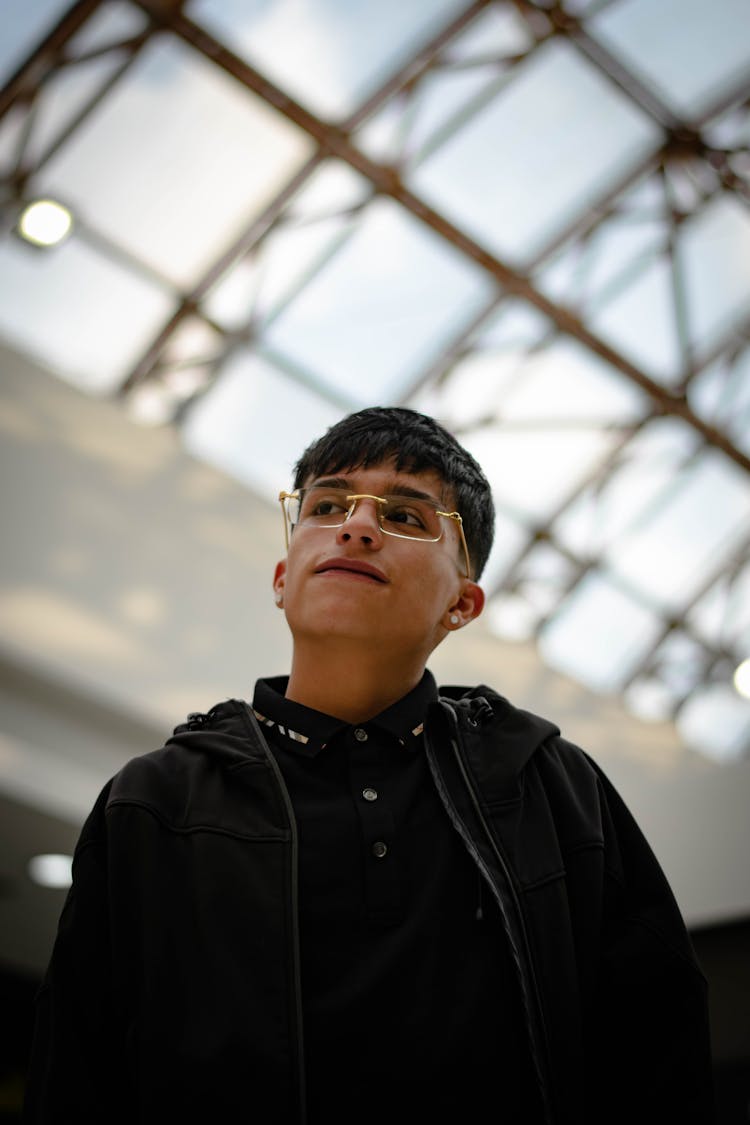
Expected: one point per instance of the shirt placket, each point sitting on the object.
(382, 861)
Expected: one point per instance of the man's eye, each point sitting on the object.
(326, 506)
(410, 517)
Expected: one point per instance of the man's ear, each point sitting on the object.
(279, 580)
(468, 605)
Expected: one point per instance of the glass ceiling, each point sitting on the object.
(531, 220)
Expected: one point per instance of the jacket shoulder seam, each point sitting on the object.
(184, 830)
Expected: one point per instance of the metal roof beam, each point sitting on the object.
(334, 141)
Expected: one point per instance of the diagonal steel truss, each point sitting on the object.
(684, 151)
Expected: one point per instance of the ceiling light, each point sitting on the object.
(742, 678)
(45, 222)
(53, 870)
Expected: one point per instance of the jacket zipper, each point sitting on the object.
(521, 957)
(294, 894)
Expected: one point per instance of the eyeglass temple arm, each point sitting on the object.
(284, 496)
(456, 517)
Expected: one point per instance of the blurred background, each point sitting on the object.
(224, 224)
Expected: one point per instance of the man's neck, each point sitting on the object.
(354, 689)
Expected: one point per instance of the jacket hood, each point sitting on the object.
(228, 731)
(482, 713)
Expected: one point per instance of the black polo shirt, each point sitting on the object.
(409, 997)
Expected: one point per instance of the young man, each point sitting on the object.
(363, 900)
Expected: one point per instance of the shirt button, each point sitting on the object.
(379, 849)
(370, 794)
(360, 735)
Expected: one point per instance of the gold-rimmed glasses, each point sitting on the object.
(406, 517)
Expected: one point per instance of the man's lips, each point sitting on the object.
(351, 566)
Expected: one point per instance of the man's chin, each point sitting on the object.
(349, 622)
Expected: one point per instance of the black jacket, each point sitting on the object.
(173, 992)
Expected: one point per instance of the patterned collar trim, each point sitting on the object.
(293, 734)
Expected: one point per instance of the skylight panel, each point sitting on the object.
(537, 586)
(649, 699)
(112, 21)
(582, 7)
(640, 321)
(329, 56)
(620, 500)
(532, 472)
(316, 222)
(556, 138)
(332, 188)
(563, 382)
(590, 271)
(599, 634)
(690, 52)
(471, 393)
(64, 95)
(474, 386)
(254, 423)
(469, 71)
(511, 536)
(258, 285)
(722, 615)
(497, 32)
(22, 27)
(701, 515)
(77, 312)
(535, 386)
(713, 253)
(675, 669)
(720, 394)
(70, 88)
(404, 130)
(381, 309)
(716, 722)
(175, 161)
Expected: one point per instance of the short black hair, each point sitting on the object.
(416, 443)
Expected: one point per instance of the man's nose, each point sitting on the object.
(363, 523)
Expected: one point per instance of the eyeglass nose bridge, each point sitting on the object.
(355, 498)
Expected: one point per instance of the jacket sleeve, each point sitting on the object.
(648, 1037)
(76, 1040)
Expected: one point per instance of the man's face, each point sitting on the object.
(357, 582)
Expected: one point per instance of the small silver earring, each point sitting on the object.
(279, 598)
(454, 619)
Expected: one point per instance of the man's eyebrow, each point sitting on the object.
(396, 489)
(406, 490)
(329, 482)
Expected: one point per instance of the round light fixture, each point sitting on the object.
(45, 222)
(51, 870)
(742, 678)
